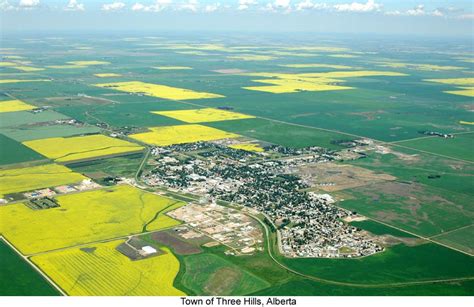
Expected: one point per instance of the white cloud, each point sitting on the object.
(157, 6)
(245, 4)
(419, 10)
(29, 3)
(437, 13)
(369, 6)
(6, 6)
(279, 5)
(114, 6)
(191, 5)
(309, 5)
(73, 5)
(212, 7)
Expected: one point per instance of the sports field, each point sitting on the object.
(99, 269)
(86, 217)
(81, 147)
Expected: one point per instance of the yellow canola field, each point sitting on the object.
(14, 106)
(466, 85)
(169, 135)
(157, 90)
(36, 177)
(85, 217)
(88, 63)
(294, 54)
(107, 75)
(27, 68)
(65, 66)
(465, 91)
(203, 115)
(247, 146)
(324, 81)
(343, 56)
(172, 67)
(424, 67)
(100, 270)
(316, 66)
(13, 57)
(81, 147)
(200, 53)
(251, 57)
(454, 81)
(7, 64)
(5, 81)
(318, 48)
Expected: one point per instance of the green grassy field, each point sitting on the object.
(125, 166)
(15, 152)
(380, 229)
(15, 119)
(462, 239)
(460, 147)
(19, 278)
(28, 133)
(208, 274)
(421, 209)
(280, 133)
(398, 264)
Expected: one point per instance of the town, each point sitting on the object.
(308, 223)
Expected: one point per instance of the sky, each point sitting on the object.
(404, 17)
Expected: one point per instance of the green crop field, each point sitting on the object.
(460, 147)
(398, 264)
(208, 274)
(28, 133)
(19, 278)
(16, 152)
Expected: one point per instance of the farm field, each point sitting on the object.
(81, 147)
(203, 115)
(17, 152)
(14, 106)
(86, 217)
(208, 274)
(419, 209)
(28, 133)
(99, 269)
(400, 263)
(17, 180)
(19, 278)
(280, 133)
(460, 147)
(158, 90)
(169, 135)
(15, 119)
(462, 238)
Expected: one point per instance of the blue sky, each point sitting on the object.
(434, 18)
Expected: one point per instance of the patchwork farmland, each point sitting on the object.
(149, 166)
